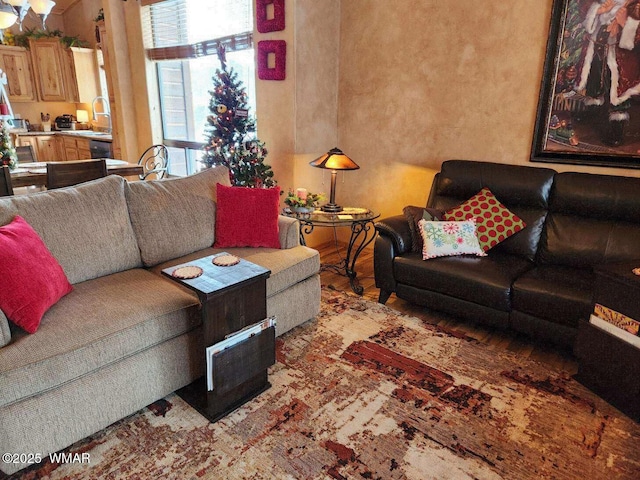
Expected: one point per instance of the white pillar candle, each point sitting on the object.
(301, 193)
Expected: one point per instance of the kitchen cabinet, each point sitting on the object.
(23, 141)
(64, 74)
(46, 55)
(76, 148)
(16, 63)
(47, 148)
(81, 74)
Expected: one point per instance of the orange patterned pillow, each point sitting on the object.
(494, 222)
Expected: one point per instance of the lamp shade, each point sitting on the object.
(42, 7)
(7, 16)
(334, 159)
(82, 116)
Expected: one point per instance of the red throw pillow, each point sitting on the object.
(494, 222)
(247, 217)
(32, 279)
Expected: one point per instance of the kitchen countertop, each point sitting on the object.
(90, 134)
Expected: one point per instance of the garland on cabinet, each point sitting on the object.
(22, 39)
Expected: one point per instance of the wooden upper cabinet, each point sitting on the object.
(46, 55)
(16, 63)
(64, 74)
(82, 78)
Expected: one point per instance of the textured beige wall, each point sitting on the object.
(275, 105)
(298, 117)
(422, 81)
(79, 20)
(317, 68)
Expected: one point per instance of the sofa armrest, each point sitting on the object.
(397, 230)
(289, 232)
(5, 332)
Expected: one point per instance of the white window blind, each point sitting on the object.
(192, 28)
(181, 37)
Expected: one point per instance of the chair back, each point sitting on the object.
(64, 174)
(6, 188)
(154, 162)
(25, 154)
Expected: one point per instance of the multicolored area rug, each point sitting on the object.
(366, 392)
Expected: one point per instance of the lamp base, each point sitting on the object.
(331, 207)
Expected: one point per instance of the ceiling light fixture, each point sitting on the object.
(16, 10)
(42, 8)
(8, 16)
(21, 7)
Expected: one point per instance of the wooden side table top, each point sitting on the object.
(216, 280)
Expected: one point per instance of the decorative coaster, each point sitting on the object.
(185, 273)
(226, 260)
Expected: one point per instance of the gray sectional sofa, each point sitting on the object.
(125, 336)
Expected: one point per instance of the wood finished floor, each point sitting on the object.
(494, 338)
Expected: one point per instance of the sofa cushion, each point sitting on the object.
(446, 238)
(247, 217)
(288, 266)
(559, 294)
(176, 216)
(593, 219)
(86, 227)
(101, 322)
(32, 279)
(481, 280)
(413, 215)
(494, 222)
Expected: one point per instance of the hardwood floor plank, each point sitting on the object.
(495, 339)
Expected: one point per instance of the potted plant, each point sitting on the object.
(302, 201)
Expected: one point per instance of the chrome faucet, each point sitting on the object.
(105, 113)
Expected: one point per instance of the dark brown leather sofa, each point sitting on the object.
(540, 280)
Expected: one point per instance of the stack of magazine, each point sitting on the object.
(617, 324)
(232, 340)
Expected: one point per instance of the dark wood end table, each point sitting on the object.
(232, 298)
(608, 356)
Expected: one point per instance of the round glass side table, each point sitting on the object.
(361, 222)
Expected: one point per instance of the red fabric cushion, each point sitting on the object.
(32, 279)
(247, 217)
(494, 222)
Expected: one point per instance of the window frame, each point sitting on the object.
(232, 43)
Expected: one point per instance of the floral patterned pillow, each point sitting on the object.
(447, 238)
(495, 223)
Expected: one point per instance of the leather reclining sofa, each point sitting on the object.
(540, 280)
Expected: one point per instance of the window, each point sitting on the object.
(181, 37)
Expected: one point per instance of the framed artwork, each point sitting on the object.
(269, 15)
(589, 106)
(277, 49)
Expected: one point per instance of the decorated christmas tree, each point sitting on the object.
(8, 154)
(231, 132)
